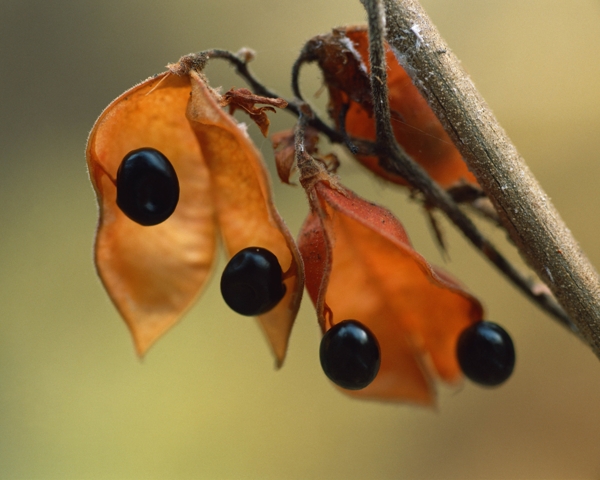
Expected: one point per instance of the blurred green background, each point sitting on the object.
(206, 402)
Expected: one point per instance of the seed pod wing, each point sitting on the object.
(152, 274)
(244, 203)
(360, 265)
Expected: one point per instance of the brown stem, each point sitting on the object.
(241, 67)
(342, 123)
(396, 160)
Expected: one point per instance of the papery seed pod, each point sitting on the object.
(359, 263)
(154, 274)
(343, 57)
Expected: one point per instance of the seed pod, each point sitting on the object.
(153, 275)
(343, 57)
(359, 263)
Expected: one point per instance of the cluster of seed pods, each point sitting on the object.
(171, 170)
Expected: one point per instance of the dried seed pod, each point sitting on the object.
(343, 57)
(359, 263)
(154, 274)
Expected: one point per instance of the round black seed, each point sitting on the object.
(350, 355)
(486, 353)
(252, 282)
(147, 187)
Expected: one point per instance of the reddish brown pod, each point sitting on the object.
(360, 265)
(343, 57)
(154, 273)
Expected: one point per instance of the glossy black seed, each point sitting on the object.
(252, 282)
(147, 187)
(350, 355)
(486, 353)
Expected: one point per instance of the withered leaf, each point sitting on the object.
(244, 99)
(285, 151)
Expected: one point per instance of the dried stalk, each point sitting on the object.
(526, 212)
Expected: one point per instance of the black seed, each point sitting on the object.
(350, 355)
(252, 282)
(486, 353)
(147, 187)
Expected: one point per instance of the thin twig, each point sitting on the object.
(396, 159)
(342, 122)
(241, 67)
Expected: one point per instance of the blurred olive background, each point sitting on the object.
(206, 402)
